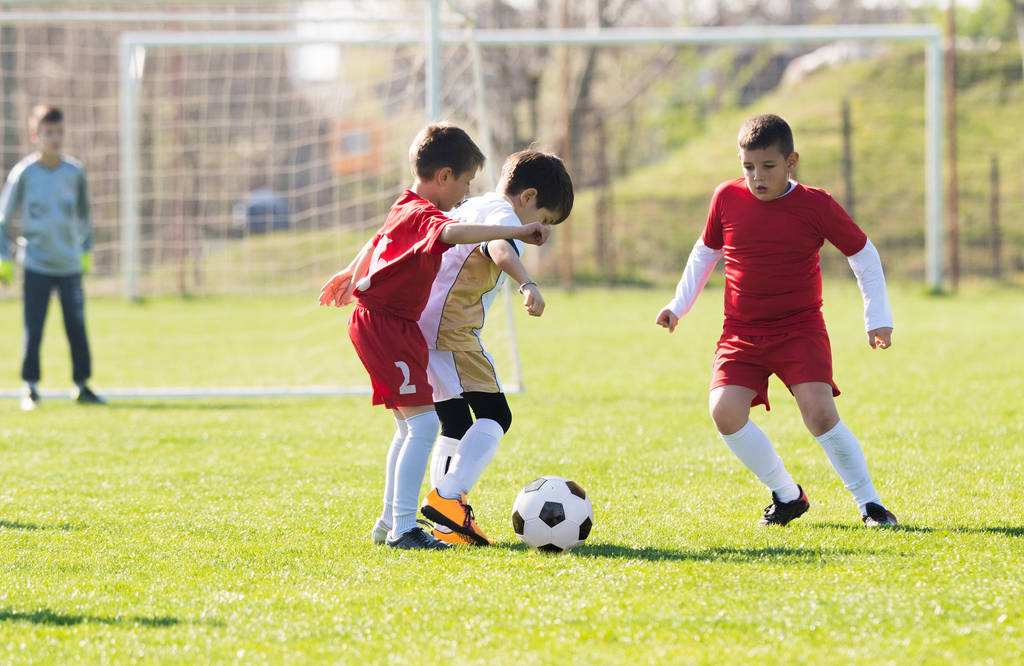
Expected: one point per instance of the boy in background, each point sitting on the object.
(50, 191)
(769, 229)
(534, 187)
(390, 280)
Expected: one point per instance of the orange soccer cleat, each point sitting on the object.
(454, 514)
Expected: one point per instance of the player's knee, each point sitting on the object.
(455, 417)
(492, 406)
(728, 417)
(820, 420)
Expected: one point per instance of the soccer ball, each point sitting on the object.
(552, 514)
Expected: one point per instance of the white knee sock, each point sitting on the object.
(443, 459)
(847, 458)
(401, 431)
(755, 450)
(409, 470)
(476, 450)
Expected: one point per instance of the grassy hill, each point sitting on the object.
(659, 210)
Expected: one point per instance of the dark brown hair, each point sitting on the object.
(44, 113)
(441, 145)
(765, 131)
(544, 172)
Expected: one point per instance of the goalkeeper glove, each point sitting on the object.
(86, 262)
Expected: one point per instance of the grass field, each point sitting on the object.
(237, 530)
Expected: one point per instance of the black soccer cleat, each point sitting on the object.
(417, 539)
(876, 515)
(782, 513)
(87, 397)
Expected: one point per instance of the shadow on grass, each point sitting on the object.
(779, 554)
(1005, 530)
(46, 616)
(18, 525)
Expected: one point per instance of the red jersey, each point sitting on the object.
(406, 257)
(772, 271)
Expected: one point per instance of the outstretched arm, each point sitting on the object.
(699, 266)
(338, 290)
(505, 257)
(867, 266)
(534, 233)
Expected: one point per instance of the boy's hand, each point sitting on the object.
(86, 262)
(534, 233)
(338, 290)
(532, 299)
(667, 319)
(6, 272)
(880, 338)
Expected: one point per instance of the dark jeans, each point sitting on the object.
(72, 302)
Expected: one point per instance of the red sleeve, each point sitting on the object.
(839, 228)
(431, 226)
(712, 236)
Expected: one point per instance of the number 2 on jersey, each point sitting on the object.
(406, 388)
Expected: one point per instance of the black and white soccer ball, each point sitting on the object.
(552, 514)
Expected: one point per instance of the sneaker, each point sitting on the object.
(417, 539)
(454, 514)
(379, 534)
(29, 398)
(876, 515)
(87, 397)
(782, 513)
(445, 535)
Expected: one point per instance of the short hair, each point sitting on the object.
(44, 113)
(544, 172)
(441, 145)
(765, 131)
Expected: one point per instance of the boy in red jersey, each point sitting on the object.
(769, 229)
(390, 280)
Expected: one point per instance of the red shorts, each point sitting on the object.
(394, 354)
(796, 357)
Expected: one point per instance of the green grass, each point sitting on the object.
(237, 531)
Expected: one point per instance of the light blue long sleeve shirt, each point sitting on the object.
(55, 220)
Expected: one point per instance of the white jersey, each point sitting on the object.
(467, 281)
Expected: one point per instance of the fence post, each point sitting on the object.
(848, 158)
(993, 216)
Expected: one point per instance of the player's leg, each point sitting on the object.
(480, 442)
(739, 380)
(730, 409)
(383, 526)
(818, 408)
(451, 409)
(446, 505)
(72, 303)
(456, 419)
(35, 303)
(395, 356)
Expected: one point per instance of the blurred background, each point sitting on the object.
(271, 137)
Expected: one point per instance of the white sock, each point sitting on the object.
(755, 450)
(401, 431)
(847, 458)
(444, 458)
(476, 450)
(410, 468)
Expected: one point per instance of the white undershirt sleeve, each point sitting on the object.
(867, 266)
(698, 269)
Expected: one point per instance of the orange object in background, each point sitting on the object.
(356, 147)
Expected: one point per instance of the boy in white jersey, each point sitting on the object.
(534, 187)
